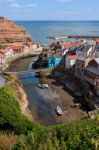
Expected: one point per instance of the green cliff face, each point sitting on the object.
(78, 135)
(10, 113)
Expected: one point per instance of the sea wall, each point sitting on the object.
(18, 56)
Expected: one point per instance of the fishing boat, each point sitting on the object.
(43, 86)
(59, 110)
(40, 86)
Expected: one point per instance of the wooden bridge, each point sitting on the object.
(25, 72)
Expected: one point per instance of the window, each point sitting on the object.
(82, 70)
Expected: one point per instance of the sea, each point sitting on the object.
(39, 30)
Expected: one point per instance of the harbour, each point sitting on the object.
(37, 65)
(43, 102)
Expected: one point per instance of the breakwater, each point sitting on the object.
(72, 36)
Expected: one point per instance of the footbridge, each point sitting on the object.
(25, 72)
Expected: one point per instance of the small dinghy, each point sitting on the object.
(43, 86)
(59, 110)
(40, 86)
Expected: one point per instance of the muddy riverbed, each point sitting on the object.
(43, 102)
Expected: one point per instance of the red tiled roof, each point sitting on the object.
(1, 54)
(3, 51)
(71, 44)
(16, 48)
(66, 45)
(96, 40)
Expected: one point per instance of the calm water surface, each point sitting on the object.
(40, 101)
(39, 30)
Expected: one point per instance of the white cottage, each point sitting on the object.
(7, 52)
(2, 60)
(70, 60)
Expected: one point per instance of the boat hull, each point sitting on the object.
(59, 111)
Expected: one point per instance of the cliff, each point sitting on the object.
(10, 32)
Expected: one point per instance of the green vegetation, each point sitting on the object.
(78, 135)
(2, 46)
(10, 113)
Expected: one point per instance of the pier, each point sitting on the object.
(58, 37)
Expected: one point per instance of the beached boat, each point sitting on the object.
(43, 86)
(59, 110)
(40, 86)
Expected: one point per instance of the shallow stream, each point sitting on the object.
(40, 100)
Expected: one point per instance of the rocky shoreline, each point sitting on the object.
(23, 101)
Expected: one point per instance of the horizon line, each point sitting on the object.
(53, 20)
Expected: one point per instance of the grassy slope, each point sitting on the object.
(82, 134)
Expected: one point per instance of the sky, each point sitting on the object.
(50, 9)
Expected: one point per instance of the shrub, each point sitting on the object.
(10, 113)
(79, 135)
(2, 46)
